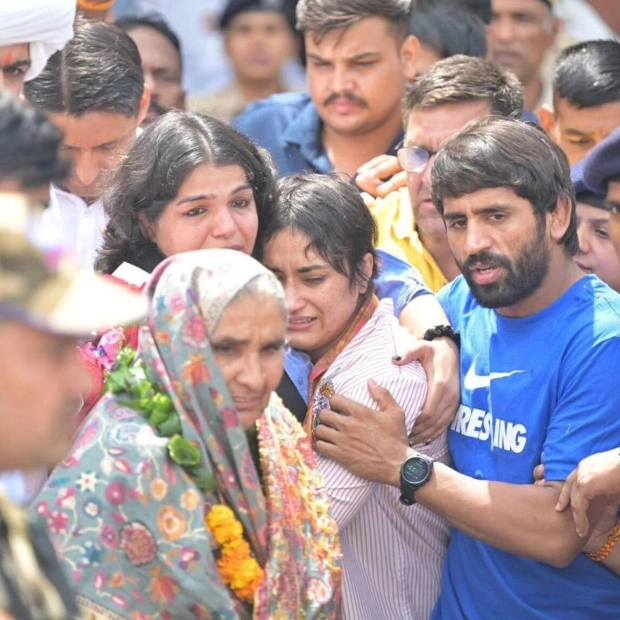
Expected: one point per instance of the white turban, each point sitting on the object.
(45, 24)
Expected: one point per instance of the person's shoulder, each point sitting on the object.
(279, 106)
(224, 105)
(456, 297)
(605, 305)
(379, 341)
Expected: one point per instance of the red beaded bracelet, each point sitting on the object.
(607, 548)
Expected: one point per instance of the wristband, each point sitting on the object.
(443, 331)
(607, 548)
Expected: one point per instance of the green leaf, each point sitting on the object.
(203, 479)
(170, 427)
(133, 403)
(158, 417)
(183, 453)
(162, 402)
(125, 357)
(115, 384)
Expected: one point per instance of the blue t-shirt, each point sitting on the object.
(396, 280)
(543, 383)
(289, 127)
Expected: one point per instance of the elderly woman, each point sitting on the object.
(320, 243)
(190, 182)
(159, 510)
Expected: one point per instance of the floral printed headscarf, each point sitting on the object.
(130, 522)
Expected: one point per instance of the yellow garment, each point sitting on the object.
(398, 236)
(223, 105)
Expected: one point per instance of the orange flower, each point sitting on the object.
(116, 581)
(171, 523)
(247, 593)
(196, 369)
(248, 577)
(237, 567)
(165, 588)
(159, 488)
(219, 515)
(162, 337)
(235, 551)
(190, 500)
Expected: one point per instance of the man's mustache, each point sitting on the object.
(348, 96)
(487, 259)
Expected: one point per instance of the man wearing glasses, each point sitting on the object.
(440, 103)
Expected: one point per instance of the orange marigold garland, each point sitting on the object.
(237, 566)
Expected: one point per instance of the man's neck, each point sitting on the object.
(252, 90)
(532, 92)
(89, 202)
(347, 153)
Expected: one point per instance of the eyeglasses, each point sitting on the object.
(414, 158)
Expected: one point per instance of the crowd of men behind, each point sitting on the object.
(514, 225)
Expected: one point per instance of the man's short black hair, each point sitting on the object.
(463, 79)
(449, 28)
(154, 22)
(503, 152)
(322, 16)
(30, 145)
(588, 74)
(99, 70)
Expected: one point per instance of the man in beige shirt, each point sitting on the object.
(260, 39)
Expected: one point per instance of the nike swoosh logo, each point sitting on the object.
(473, 381)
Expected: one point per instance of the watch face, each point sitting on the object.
(415, 470)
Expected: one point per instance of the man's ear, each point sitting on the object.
(144, 103)
(547, 119)
(559, 219)
(409, 53)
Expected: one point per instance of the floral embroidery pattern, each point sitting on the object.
(115, 493)
(138, 543)
(321, 399)
(109, 537)
(158, 488)
(171, 523)
(130, 521)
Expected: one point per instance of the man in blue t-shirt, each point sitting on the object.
(538, 339)
(359, 59)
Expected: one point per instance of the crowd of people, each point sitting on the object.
(324, 335)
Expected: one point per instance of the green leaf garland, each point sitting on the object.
(129, 378)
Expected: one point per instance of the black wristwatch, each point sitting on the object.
(443, 331)
(415, 472)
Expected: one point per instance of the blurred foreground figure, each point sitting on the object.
(46, 305)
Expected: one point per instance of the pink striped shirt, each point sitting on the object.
(392, 554)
